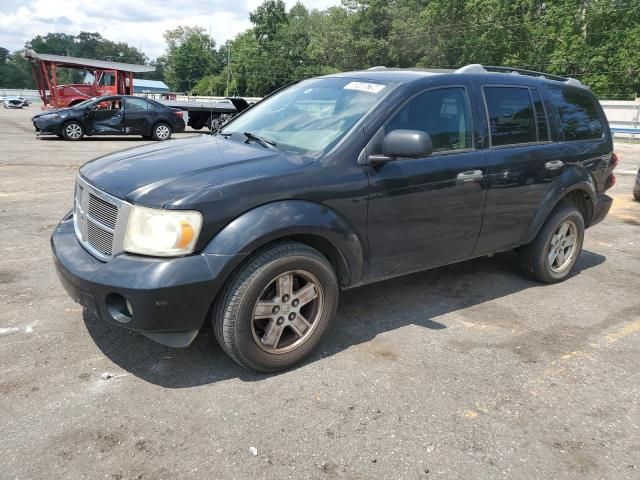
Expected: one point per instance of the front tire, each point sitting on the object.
(275, 310)
(72, 131)
(556, 249)
(161, 132)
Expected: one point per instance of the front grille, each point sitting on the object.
(100, 239)
(102, 211)
(96, 216)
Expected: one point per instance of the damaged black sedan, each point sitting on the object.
(111, 115)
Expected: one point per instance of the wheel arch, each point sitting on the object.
(581, 193)
(313, 224)
(158, 122)
(85, 130)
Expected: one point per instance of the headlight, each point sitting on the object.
(162, 233)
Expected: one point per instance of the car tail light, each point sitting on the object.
(179, 113)
(614, 160)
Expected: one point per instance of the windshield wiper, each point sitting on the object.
(265, 142)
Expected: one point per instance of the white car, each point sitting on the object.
(15, 102)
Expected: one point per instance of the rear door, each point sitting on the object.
(523, 161)
(137, 115)
(425, 212)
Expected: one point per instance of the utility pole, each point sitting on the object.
(228, 68)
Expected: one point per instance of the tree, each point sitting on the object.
(191, 55)
(15, 71)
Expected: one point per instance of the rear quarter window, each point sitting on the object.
(578, 113)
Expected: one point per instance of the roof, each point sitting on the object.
(388, 74)
(404, 75)
(78, 62)
(155, 84)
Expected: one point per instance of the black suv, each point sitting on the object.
(332, 183)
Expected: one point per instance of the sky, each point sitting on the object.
(140, 23)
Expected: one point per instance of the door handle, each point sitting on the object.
(554, 165)
(469, 176)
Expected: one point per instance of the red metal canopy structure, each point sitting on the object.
(109, 78)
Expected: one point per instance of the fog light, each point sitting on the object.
(119, 308)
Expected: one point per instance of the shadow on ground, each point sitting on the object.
(364, 313)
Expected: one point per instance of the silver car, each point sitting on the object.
(15, 102)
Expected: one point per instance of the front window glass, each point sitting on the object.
(444, 114)
(312, 116)
(107, 80)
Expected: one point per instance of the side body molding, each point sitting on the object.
(572, 179)
(286, 218)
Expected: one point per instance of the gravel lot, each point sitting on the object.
(466, 371)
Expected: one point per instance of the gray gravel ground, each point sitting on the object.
(467, 371)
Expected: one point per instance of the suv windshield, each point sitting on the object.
(312, 116)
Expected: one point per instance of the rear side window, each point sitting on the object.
(511, 115)
(541, 117)
(444, 114)
(578, 113)
(136, 104)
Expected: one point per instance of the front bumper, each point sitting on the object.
(601, 209)
(47, 127)
(168, 299)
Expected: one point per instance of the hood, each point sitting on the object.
(53, 110)
(160, 173)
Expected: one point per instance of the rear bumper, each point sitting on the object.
(179, 126)
(164, 299)
(601, 209)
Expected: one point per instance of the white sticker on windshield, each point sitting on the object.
(364, 87)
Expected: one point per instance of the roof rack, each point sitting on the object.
(477, 68)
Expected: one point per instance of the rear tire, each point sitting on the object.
(72, 131)
(636, 192)
(277, 307)
(161, 132)
(551, 256)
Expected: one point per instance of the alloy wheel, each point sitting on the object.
(73, 131)
(287, 311)
(162, 132)
(562, 248)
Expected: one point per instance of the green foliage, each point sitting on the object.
(15, 71)
(597, 41)
(191, 55)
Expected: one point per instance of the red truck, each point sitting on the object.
(109, 78)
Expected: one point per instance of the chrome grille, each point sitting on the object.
(102, 211)
(99, 220)
(99, 238)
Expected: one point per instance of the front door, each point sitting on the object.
(425, 212)
(107, 117)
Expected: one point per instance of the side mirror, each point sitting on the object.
(404, 143)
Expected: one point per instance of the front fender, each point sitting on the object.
(286, 218)
(570, 180)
